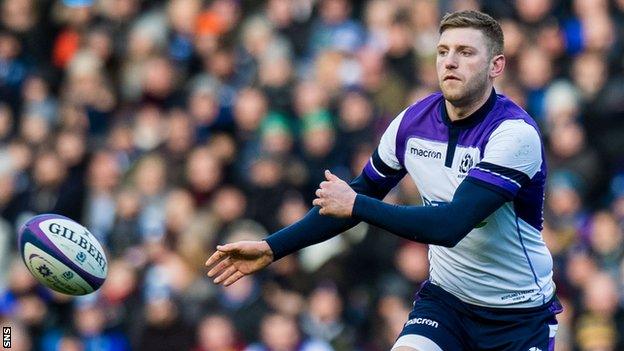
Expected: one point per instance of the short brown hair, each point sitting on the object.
(478, 20)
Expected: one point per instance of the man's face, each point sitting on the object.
(463, 65)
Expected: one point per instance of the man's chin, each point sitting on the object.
(452, 95)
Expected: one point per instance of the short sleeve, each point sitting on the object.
(384, 165)
(512, 156)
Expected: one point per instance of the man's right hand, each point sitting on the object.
(233, 261)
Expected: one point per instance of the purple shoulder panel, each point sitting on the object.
(422, 119)
(504, 109)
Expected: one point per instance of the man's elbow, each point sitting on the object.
(450, 243)
(454, 238)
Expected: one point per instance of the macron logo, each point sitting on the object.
(425, 153)
(423, 321)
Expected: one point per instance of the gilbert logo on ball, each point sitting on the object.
(62, 254)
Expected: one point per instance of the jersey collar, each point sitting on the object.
(474, 118)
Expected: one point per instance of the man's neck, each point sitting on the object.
(457, 113)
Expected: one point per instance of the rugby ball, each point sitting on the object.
(62, 254)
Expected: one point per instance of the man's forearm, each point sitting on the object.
(315, 228)
(443, 225)
(311, 229)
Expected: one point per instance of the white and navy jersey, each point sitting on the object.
(503, 262)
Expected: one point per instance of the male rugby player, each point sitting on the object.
(477, 160)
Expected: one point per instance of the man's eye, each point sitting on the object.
(442, 53)
(466, 53)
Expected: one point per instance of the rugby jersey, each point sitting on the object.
(503, 261)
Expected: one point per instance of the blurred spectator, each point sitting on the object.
(32, 311)
(164, 330)
(178, 142)
(275, 78)
(599, 327)
(150, 180)
(103, 178)
(388, 317)
(179, 213)
(159, 83)
(387, 91)
(324, 320)
(280, 332)
(71, 146)
(91, 321)
(562, 105)
(88, 90)
(146, 37)
(37, 99)
(90, 331)
(120, 297)
(401, 54)
(51, 190)
(535, 71)
(203, 174)
(606, 241)
(217, 333)
(564, 206)
(284, 17)
(203, 105)
(229, 205)
(14, 69)
(569, 152)
(182, 16)
(125, 233)
(320, 151)
(355, 120)
(265, 191)
(334, 29)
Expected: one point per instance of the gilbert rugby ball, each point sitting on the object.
(62, 254)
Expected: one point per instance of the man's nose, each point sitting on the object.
(450, 61)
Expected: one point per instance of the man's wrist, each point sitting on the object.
(267, 248)
(358, 204)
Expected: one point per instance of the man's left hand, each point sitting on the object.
(335, 197)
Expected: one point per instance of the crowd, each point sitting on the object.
(166, 127)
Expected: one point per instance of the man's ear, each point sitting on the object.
(497, 66)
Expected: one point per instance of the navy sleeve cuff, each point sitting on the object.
(361, 206)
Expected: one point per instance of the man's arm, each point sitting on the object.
(382, 172)
(314, 228)
(443, 225)
(233, 261)
(511, 158)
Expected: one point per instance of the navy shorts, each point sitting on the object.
(456, 326)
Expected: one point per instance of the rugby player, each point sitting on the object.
(477, 160)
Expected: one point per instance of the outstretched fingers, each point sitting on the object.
(225, 263)
(227, 273)
(215, 257)
(233, 278)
